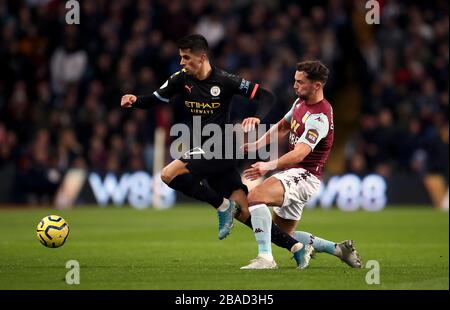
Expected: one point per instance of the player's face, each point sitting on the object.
(304, 87)
(191, 62)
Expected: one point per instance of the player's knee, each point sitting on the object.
(166, 175)
(256, 196)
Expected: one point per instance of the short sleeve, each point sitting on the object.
(316, 128)
(288, 116)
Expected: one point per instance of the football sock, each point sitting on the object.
(191, 186)
(225, 205)
(319, 244)
(248, 222)
(281, 238)
(261, 222)
(278, 236)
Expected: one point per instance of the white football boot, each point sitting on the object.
(261, 263)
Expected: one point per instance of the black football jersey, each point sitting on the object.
(210, 98)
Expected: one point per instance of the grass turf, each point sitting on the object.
(122, 248)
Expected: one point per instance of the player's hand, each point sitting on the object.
(250, 123)
(127, 101)
(249, 147)
(257, 170)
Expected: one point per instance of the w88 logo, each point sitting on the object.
(351, 193)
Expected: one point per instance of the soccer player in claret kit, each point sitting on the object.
(310, 126)
(207, 92)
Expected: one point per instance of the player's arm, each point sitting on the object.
(291, 158)
(142, 102)
(316, 128)
(281, 129)
(252, 91)
(170, 88)
(266, 100)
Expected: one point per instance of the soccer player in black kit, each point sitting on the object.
(207, 92)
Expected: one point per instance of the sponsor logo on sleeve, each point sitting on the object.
(312, 135)
(244, 85)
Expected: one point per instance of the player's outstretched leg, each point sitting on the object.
(261, 222)
(225, 213)
(345, 250)
(301, 254)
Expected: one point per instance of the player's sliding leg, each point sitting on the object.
(177, 176)
(271, 192)
(320, 245)
(261, 222)
(345, 250)
(278, 237)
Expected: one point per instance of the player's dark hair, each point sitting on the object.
(314, 69)
(194, 42)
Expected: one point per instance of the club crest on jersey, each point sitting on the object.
(319, 119)
(305, 117)
(312, 136)
(215, 91)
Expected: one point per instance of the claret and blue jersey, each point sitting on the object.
(313, 125)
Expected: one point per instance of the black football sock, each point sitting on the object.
(248, 222)
(191, 186)
(279, 237)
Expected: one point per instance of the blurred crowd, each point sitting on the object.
(404, 87)
(60, 85)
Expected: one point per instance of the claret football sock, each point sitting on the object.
(319, 244)
(191, 186)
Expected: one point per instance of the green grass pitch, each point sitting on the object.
(123, 248)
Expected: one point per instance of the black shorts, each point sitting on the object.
(227, 183)
(221, 174)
